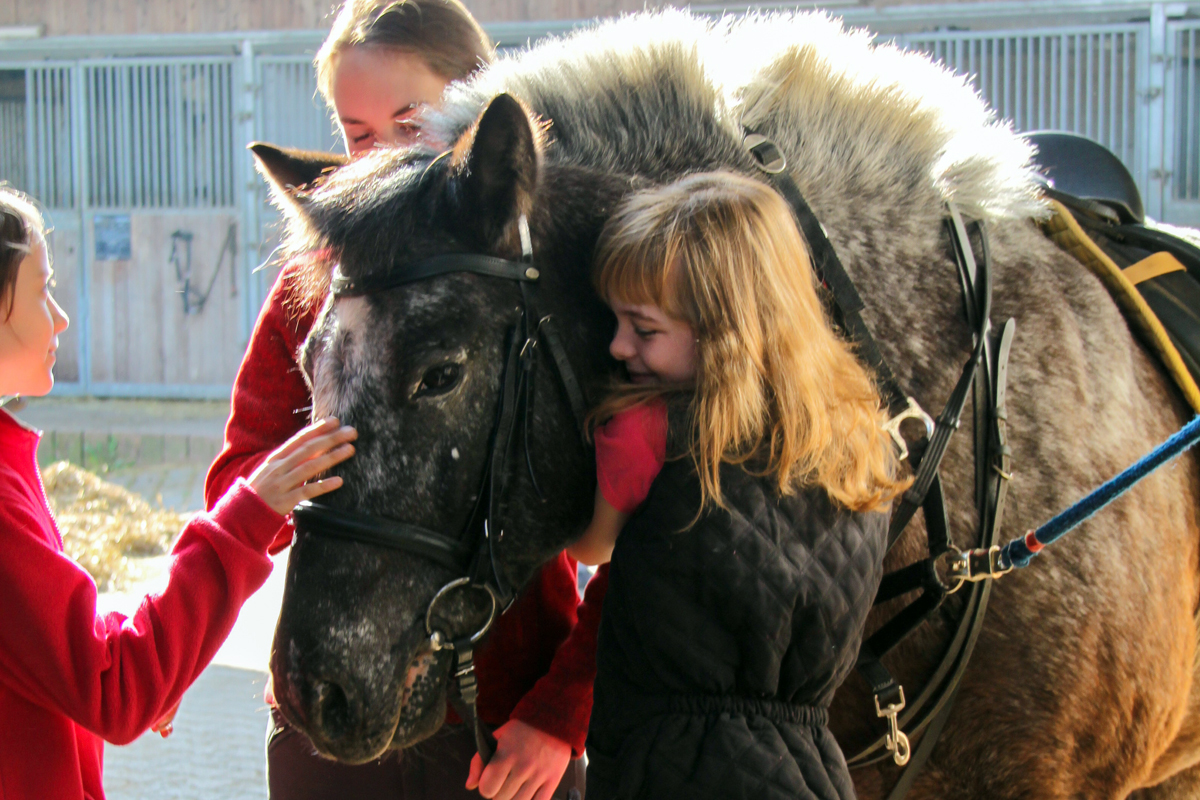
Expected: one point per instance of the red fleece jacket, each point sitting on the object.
(539, 661)
(70, 679)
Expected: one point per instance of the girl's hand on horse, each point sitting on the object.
(527, 765)
(282, 480)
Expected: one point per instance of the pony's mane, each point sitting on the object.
(869, 130)
(842, 107)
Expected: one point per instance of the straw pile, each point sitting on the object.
(104, 526)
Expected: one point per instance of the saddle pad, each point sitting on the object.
(1062, 228)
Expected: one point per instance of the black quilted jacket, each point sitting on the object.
(721, 646)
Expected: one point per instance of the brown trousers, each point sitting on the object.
(436, 769)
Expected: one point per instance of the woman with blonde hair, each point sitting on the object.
(743, 475)
(382, 63)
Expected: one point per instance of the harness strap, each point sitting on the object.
(846, 299)
(929, 711)
(466, 694)
(947, 424)
(566, 375)
(926, 454)
(505, 428)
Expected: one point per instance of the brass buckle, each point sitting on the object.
(897, 741)
(959, 566)
(913, 411)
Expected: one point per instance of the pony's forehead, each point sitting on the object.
(367, 209)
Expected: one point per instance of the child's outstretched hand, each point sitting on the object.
(282, 480)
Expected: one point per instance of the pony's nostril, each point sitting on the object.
(331, 710)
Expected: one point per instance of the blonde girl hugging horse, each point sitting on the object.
(743, 479)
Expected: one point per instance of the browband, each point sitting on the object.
(343, 286)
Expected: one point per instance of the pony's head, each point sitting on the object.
(417, 369)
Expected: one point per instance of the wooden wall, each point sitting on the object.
(94, 17)
(84, 17)
(139, 331)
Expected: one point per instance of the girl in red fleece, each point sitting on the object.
(70, 679)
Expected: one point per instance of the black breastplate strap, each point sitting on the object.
(983, 378)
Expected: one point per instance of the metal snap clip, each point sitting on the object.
(896, 742)
(912, 411)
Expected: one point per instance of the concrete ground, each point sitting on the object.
(216, 749)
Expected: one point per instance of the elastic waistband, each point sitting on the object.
(707, 704)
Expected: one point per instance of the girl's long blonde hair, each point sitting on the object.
(774, 385)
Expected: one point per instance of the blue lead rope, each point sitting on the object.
(1019, 552)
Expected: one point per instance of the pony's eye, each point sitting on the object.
(439, 380)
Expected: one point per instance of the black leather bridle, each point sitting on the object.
(471, 555)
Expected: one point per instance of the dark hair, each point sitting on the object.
(19, 222)
(442, 32)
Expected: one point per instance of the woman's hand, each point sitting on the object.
(527, 764)
(282, 480)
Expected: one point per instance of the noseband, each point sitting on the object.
(471, 555)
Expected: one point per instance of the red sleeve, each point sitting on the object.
(560, 703)
(271, 400)
(113, 675)
(630, 451)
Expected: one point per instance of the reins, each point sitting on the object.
(471, 555)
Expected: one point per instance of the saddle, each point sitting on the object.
(1152, 274)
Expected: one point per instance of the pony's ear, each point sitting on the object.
(501, 165)
(290, 170)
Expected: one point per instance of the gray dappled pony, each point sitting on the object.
(1081, 685)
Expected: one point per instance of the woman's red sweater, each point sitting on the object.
(539, 661)
(70, 679)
